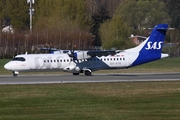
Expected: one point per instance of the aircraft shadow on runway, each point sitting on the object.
(121, 75)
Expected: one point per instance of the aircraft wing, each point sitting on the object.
(92, 53)
(101, 53)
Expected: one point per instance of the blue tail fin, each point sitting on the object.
(155, 41)
(151, 48)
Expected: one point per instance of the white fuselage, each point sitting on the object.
(66, 63)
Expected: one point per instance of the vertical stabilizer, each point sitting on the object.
(154, 43)
(151, 48)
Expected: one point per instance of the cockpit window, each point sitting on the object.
(19, 59)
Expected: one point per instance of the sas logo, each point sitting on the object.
(155, 45)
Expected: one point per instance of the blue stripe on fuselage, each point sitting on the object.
(144, 58)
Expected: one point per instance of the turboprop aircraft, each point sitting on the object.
(88, 61)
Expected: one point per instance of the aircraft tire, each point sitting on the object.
(87, 73)
(15, 74)
(75, 73)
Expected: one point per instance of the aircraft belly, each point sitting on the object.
(93, 65)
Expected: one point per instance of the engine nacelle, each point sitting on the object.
(81, 55)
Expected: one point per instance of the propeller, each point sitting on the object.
(48, 48)
(73, 54)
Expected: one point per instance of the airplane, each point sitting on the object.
(88, 61)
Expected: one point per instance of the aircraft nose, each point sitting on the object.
(7, 66)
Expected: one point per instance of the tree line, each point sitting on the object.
(82, 24)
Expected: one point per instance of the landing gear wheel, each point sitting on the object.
(87, 73)
(15, 73)
(75, 73)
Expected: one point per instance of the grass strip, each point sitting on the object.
(97, 101)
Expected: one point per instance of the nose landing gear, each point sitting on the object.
(15, 73)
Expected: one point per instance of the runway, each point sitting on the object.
(69, 78)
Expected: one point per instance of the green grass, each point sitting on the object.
(95, 101)
(162, 65)
(2, 63)
(91, 101)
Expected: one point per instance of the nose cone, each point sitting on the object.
(7, 66)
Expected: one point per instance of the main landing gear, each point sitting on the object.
(86, 72)
(75, 73)
(15, 73)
